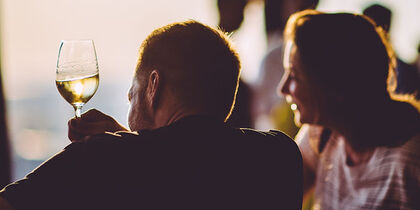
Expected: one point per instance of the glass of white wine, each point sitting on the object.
(77, 75)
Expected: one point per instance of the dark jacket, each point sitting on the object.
(194, 163)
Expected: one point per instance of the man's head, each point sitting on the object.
(184, 67)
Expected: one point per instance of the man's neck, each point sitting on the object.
(172, 113)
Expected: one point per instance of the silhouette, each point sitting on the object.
(270, 109)
(231, 15)
(256, 102)
(408, 81)
(5, 163)
(359, 146)
(179, 152)
(417, 60)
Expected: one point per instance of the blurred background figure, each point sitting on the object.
(5, 159)
(5, 163)
(261, 106)
(269, 109)
(231, 15)
(417, 61)
(277, 12)
(407, 77)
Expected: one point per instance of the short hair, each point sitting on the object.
(345, 54)
(380, 14)
(197, 62)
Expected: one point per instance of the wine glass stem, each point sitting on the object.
(78, 111)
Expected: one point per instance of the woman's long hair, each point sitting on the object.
(346, 55)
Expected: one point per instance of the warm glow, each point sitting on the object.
(287, 50)
(293, 107)
(78, 88)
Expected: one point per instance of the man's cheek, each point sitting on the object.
(129, 115)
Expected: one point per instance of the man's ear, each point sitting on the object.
(153, 88)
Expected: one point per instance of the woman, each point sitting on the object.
(337, 67)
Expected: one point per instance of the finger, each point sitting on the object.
(102, 122)
(94, 115)
(82, 126)
(77, 130)
(74, 136)
(74, 123)
(90, 128)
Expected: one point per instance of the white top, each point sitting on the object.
(390, 179)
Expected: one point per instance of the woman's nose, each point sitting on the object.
(283, 86)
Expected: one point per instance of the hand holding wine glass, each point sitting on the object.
(92, 122)
(77, 75)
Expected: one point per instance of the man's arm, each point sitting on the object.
(51, 184)
(4, 205)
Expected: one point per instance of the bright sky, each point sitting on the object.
(31, 31)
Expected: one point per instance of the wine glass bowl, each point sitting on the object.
(77, 75)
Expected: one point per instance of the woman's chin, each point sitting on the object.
(301, 119)
(298, 118)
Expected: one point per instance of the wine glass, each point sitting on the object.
(77, 75)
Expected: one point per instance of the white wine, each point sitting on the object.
(78, 91)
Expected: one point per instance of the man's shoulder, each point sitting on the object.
(272, 138)
(246, 137)
(104, 140)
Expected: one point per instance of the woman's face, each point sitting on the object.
(299, 90)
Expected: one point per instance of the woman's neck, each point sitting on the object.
(356, 157)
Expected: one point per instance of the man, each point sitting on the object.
(182, 155)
